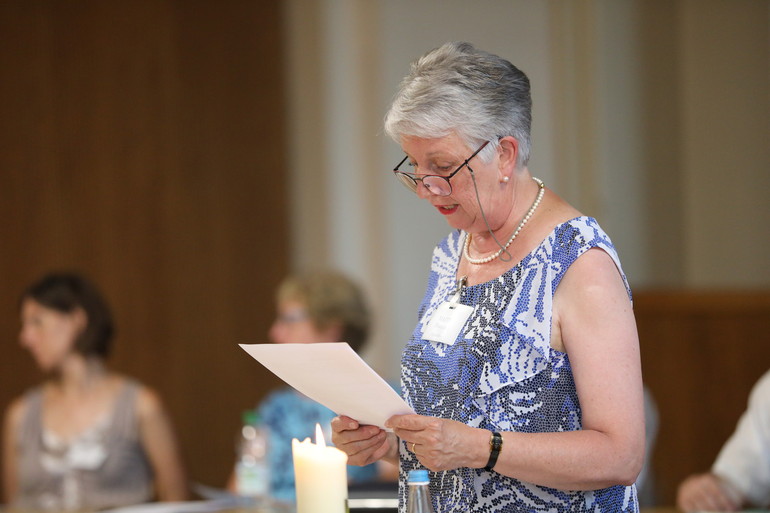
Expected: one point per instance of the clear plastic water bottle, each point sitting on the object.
(252, 473)
(418, 500)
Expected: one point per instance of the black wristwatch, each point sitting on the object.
(495, 444)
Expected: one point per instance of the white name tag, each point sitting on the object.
(446, 322)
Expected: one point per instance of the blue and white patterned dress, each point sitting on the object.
(501, 373)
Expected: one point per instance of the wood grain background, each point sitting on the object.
(142, 143)
(702, 351)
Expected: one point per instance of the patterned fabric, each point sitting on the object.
(287, 414)
(103, 467)
(501, 373)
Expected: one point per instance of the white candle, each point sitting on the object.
(320, 476)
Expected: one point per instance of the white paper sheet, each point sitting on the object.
(335, 376)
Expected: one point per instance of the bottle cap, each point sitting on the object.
(418, 477)
(250, 417)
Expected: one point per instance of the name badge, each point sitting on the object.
(449, 318)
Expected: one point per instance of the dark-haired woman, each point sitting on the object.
(86, 438)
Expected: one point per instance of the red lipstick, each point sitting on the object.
(447, 209)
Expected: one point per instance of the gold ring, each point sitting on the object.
(413, 444)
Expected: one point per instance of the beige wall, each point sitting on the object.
(725, 111)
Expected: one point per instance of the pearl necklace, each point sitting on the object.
(479, 261)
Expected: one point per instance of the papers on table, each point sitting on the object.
(335, 376)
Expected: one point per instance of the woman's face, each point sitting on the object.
(293, 325)
(461, 208)
(49, 335)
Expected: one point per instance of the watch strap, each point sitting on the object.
(495, 446)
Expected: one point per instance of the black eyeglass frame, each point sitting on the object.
(410, 179)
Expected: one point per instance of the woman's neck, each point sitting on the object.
(524, 193)
(79, 374)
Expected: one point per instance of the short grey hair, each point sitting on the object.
(459, 88)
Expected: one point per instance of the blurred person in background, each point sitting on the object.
(646, 481)
(524, 368)
(87, 438)
(740, 476)
(313, 307)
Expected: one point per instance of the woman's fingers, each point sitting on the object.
(343, 423)
(412, 422)
(362, 444)
(439, 444)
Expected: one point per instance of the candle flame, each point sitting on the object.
(319, 436)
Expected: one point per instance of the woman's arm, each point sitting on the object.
(11, 423)
(594, 322)
(162, 448)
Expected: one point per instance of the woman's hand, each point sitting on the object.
(442, 444)
(363, 444)
(706, 492)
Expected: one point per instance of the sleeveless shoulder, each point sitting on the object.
(125, 412)
(571, 239)
(31, 425)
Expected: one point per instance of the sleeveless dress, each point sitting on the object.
(104, 467)
(501, 374)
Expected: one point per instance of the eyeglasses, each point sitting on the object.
(436, 184)
(291, 317)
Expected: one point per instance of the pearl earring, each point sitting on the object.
(505, 179)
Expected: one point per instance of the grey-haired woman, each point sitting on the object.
(523, 369)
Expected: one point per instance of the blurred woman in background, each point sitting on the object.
(320, 306)
(87, 438)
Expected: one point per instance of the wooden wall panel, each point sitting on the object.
(143, 143)
(701, 354)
